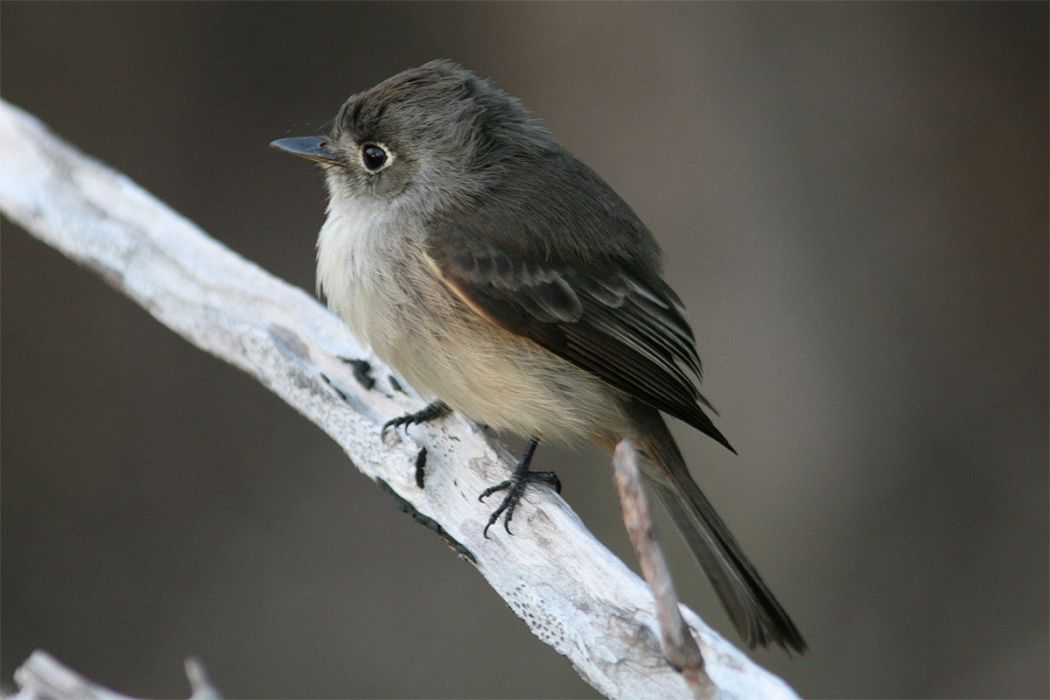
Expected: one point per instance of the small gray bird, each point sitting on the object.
(505, 279)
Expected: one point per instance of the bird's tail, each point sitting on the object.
(755, 613)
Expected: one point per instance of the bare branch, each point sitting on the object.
(676, 640)
(43, 677)
(572, 592)
(200, 684)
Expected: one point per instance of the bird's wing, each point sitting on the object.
(628, 331)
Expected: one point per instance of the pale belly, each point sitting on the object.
(378, 282)
(446, 351)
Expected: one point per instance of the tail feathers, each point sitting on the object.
(755, 612)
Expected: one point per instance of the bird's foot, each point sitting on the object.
(515, 487)
(431, 411)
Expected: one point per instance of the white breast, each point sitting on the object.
(349, 255)
(373, 271)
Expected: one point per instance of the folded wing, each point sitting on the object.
(626, 328)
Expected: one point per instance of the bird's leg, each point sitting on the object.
(515, 487)
(431, 411)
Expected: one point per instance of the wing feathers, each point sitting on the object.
(629, 332)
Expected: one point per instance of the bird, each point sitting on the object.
(504, 279)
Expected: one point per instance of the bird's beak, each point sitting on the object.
(309, 147)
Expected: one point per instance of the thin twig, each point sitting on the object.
(43, 677)
(676, 639)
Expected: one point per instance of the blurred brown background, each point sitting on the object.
(854, 201)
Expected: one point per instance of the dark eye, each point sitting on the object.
(374, 157)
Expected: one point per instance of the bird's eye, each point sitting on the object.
(374, 157)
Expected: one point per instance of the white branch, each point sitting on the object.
(572, 592)
(43, 677)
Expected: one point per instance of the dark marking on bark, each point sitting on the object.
(362, 372)
(333, 386)
(421, 465)
(406, 507)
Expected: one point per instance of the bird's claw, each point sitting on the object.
(431, 411)
(515, 488)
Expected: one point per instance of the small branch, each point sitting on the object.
(43, 677)
(676, 639)
(572, 592)
(200, 684)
